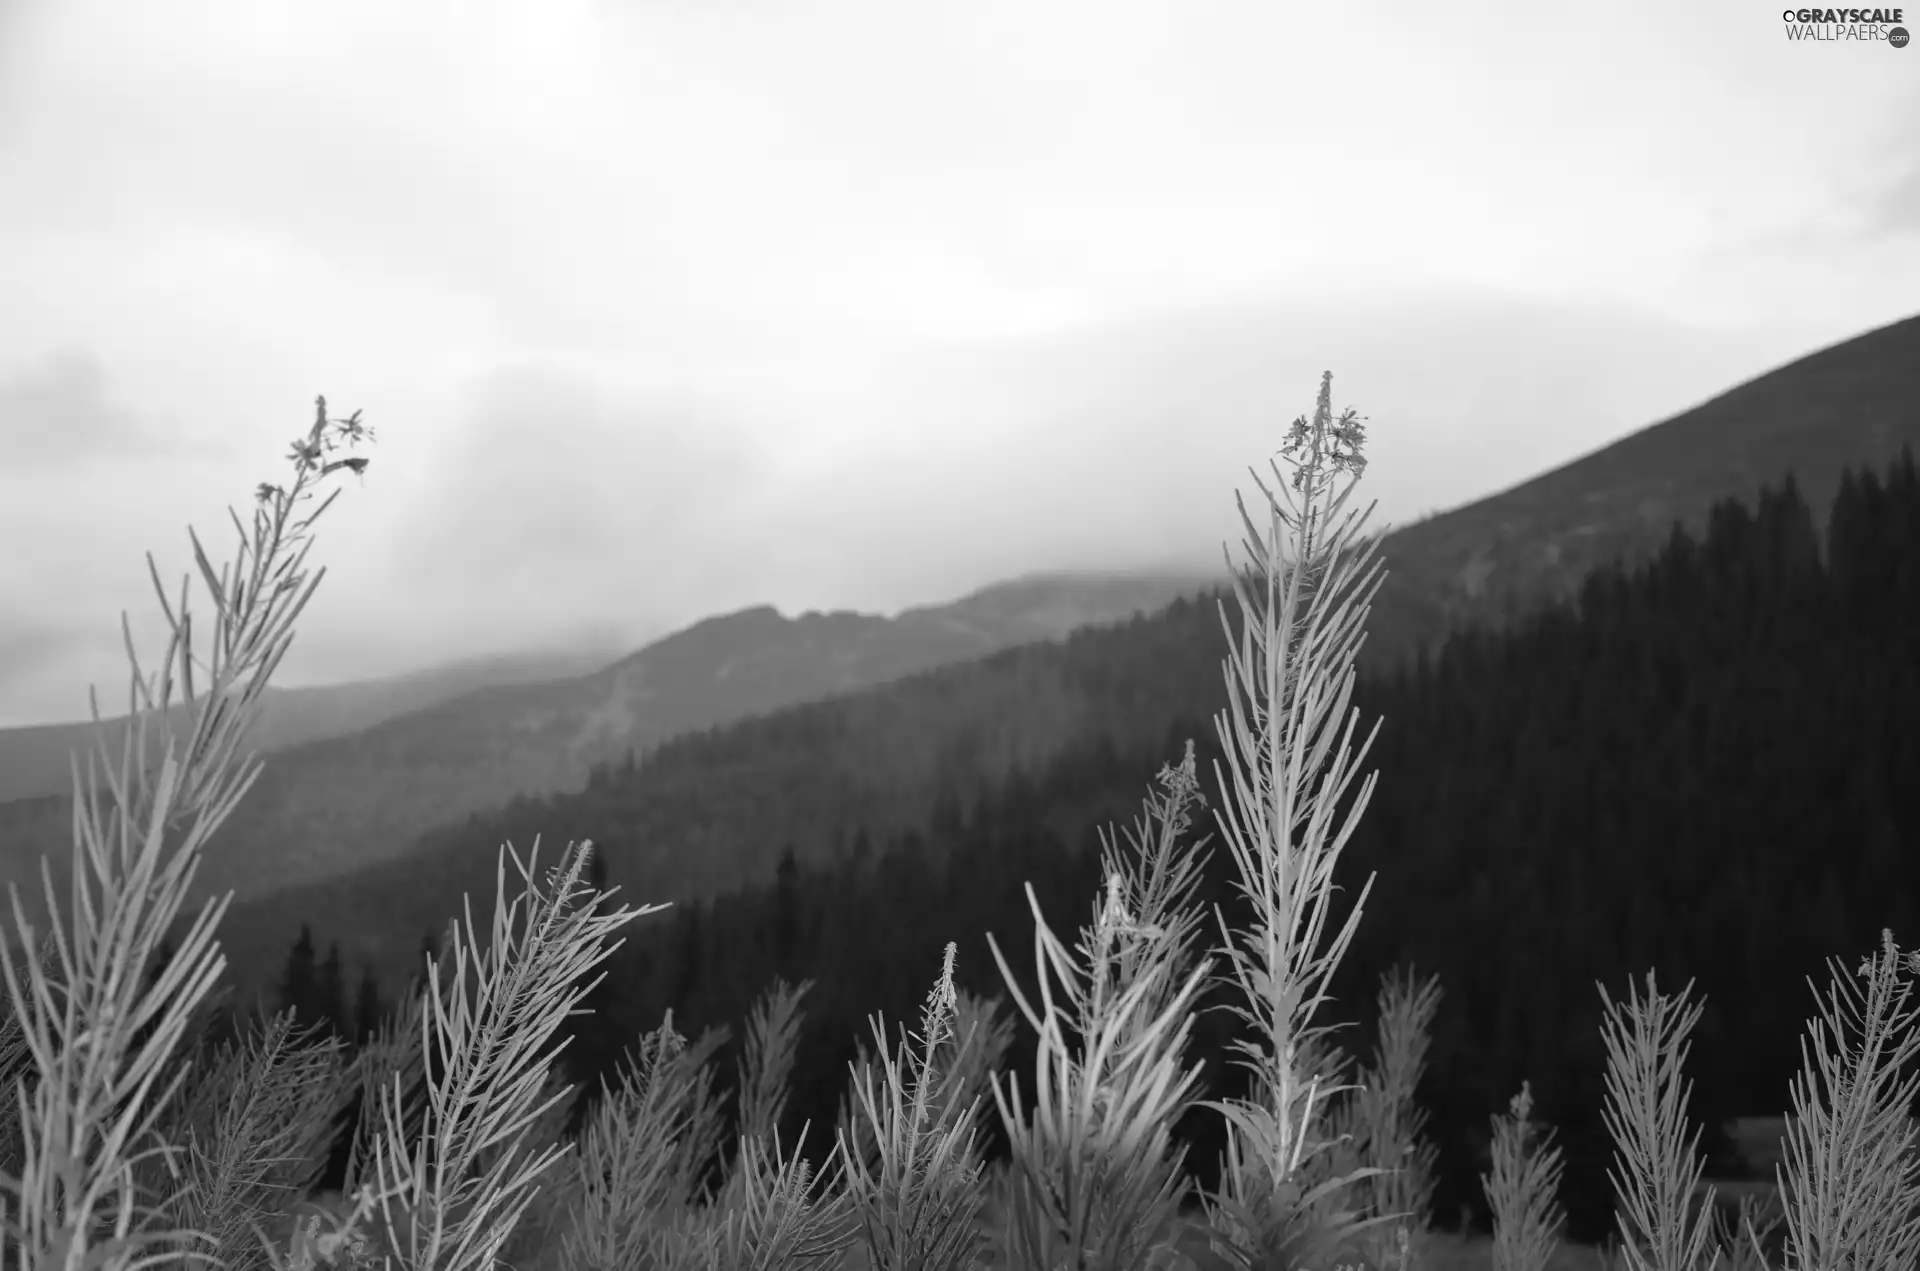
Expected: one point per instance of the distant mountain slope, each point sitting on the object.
(34, 760)
(341, 804)
(1854, 404)
(711, 810)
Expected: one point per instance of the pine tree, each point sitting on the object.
(330, 993)
(786, 912)
(368, 1011)
(593, 1046)
(597, 868)
(690, 959)
(429, 954)
(298, 984)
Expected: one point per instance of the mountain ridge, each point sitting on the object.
(341, 803)
(34, 757)
(1852, 402)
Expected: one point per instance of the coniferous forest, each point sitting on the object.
(1707, 764)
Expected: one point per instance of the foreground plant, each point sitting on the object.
(1387, 1124)
(1303, 595)
(1848, 1193)
(257, 1129)
(1096, 1182)
(642, 1151)
(451, 1202)
(918, 1205)
(91, 1094)
(963, 1065)
(773, 1211)
(773, 1033)
(1656, 1171)
(1523, 1189)
(1850, 1185)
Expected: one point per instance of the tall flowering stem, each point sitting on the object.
(138, 831)
(1303, 591)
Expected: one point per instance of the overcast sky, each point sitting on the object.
(666, 307)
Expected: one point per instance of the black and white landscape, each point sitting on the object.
(806, 434)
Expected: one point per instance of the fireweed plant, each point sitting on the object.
(134, 1140)
(1303, 592)
(1097, 1182)
(1521, 1189)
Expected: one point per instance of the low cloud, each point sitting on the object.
(657, 315)
(1896, 211)
(58, 413)
(547, 501)
(551, 498)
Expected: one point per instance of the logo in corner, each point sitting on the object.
(1846, 26)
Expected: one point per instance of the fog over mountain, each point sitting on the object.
(665, 310)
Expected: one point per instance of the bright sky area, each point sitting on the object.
(662, 308)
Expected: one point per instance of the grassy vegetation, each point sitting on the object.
(134, 1144)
